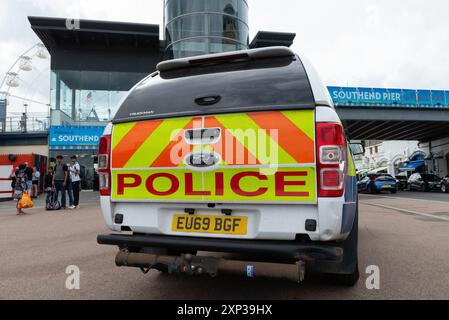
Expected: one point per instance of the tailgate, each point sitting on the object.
(256, 157)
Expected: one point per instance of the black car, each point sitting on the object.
(445, 184)
(424, 182)
(402, 182)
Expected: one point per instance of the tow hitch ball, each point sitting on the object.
(197, 265)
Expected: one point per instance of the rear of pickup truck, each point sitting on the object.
(239, 153)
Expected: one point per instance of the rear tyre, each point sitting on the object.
(394, 191)
(350, 260)
(371, 190)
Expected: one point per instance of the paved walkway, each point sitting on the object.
(411, 251)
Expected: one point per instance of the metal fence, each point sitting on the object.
(28, 124)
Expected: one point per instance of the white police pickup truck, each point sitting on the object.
(241, 153)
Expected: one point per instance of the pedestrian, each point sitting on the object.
(23, 122)
(35, 182)
(21, 186)
(61, 179)
(13, 179)
(75, 171)
(69, 186)
(48, 183)
(29, 173)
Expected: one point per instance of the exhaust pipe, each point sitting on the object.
(196, 265)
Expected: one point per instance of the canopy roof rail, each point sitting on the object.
(234, 56)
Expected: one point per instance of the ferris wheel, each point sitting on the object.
(25, 88)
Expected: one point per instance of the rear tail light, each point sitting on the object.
(373, 179)
(332, 162)
(104, 165)
(331, 179)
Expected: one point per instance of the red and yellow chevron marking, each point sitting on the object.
(247, 139)
(232, 151)
(148, 159)
(150, 143)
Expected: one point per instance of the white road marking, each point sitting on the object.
(408, 211)
(400, 198)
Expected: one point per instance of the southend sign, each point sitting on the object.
(379, 97)
(73, 137)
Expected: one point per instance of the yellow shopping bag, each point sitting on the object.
(25, 202)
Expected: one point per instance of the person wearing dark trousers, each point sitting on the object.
(62, 183)
(29, 173)
(75, 171)
(48, 182)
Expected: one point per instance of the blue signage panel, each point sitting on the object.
(75, 137)
(377, 97)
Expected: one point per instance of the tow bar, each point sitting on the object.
(196, 265)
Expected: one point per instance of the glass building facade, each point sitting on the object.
(198, 27)
(84, 97)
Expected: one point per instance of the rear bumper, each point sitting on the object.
(264, 224)
(390, 188)
(309, 252)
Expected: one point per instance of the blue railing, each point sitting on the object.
(389, 98)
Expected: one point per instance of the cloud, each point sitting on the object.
(382, 43)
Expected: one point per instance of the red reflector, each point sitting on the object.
(331, 179)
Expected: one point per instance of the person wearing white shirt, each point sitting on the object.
(35, 183)
(75, 170)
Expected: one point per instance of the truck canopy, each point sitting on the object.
(254, 80)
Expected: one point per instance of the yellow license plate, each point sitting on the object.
(210, 224)
(386, 186)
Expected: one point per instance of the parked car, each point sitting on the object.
(402, 182)
(376, 183)
(424, 182)
(445, 184)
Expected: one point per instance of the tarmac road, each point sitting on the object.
(425, 196)
(407, 239)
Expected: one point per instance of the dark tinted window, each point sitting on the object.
(384, 177)
(378, 175)
(265, 84)
(430, 177)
